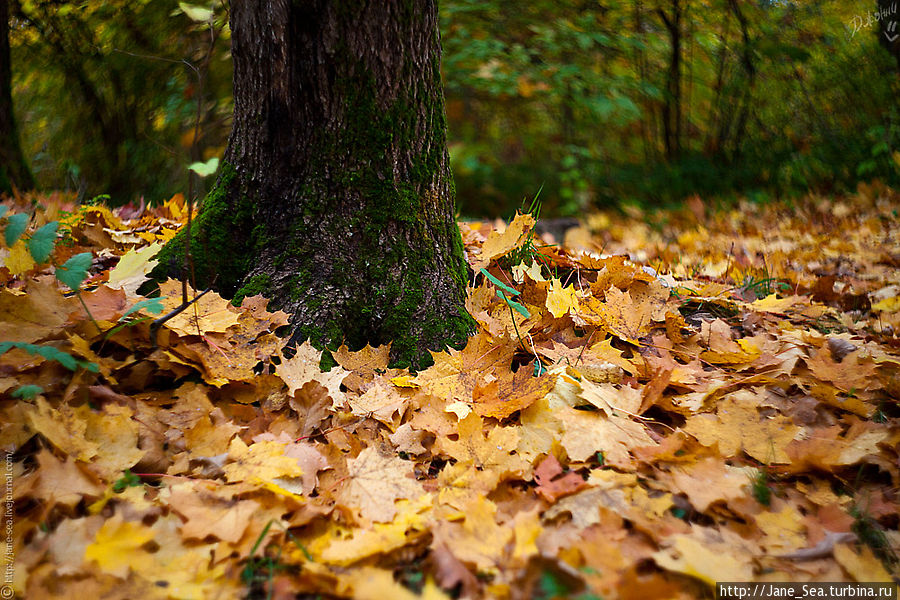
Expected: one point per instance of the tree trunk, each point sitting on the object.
(335, 199)
(13, 168)
(672, 105)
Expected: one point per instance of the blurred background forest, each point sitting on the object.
(596, 102)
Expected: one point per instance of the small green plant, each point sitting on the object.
(72, 273)
(154, 306)
(127, 480)
(552, 585)
(871, 533)
(503, 290)
(260, 570)
(759, 487)
(28, 392)
(50, 353)
(528, 252)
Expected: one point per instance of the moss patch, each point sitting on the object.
(258, 284)
(220, 239)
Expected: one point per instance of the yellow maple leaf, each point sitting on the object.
(211, 313)
(487, 451)
(455, 373)
(19, 260)
(261, 461)
(479, 539)
(864, 566)
(63, 426)
(376, 481)
(619, 314)
(118, 545)
(706, 555)
(560, 300)
(115, 434)
(303, 368)
(409, 525)
(501, 244)
(132, 269)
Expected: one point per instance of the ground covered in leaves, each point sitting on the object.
(664, 401)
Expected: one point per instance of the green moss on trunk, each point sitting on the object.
(220, 239)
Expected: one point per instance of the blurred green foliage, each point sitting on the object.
(106, 95)
(769, 98)
(644, 101)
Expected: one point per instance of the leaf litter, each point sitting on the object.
(673, 398)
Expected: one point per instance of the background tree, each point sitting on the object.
(13, 168)
(335, 199)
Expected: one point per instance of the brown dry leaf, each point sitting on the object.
(852, 374)
(105, 304)
(64, 482)
(550, 485)
(456, 373)
(739, 425)
(376, 481)
(828, 449)
(710, 480)
(511, 392)
(34, 314)
(208, 512)
(619, 314)
(303, 368)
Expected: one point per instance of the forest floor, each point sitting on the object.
(665, 401)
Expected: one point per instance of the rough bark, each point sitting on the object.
(336, 197)
(13, 168)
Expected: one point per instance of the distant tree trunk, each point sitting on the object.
(335, 199)
(13, 168)
(672, 105)
(739, 103)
